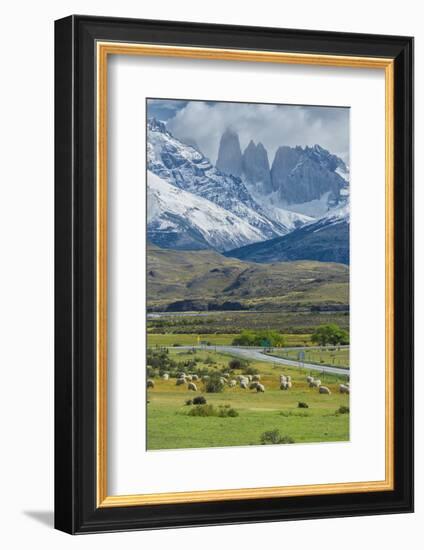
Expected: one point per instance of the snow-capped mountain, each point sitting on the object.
(325, 240)
(179, 219)
(187, 168)
(307, 180)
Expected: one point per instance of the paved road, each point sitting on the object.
(258, 355)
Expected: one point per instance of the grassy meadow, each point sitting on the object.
(195, 339)
(171, 426)
(328, 357)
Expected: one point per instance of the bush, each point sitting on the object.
(223, 411)
(209, 361)
(263, 338)
(189, 402)
(343, 410)
(203, 410)
(235, 364)
(227, 410)
(214, 384)
(302, 405)
(199, 400)
(273, 437)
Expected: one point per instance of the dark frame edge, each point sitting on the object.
(75, 509)
(64, 448)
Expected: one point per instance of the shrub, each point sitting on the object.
(259, 338)
(302, 405)
(273, 437)
(343, 410)
(203, 410)
(209, 361)
(199, 400)
(223, 411)
(235, 364)
(227, 410)
(189, 402)
(214, 384)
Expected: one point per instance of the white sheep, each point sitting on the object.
(260, 388)
(309, 379)
(324, 389)
(315, 384)
(243, 385)
(192, 386)
(253, 385)
(180, 381)
(343, 388)
(256, 377)
(150, 384)
(232, 383)
(165, 376)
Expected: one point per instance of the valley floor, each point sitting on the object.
(170, 426)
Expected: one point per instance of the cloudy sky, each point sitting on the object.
(203, 122)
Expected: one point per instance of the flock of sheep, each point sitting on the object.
(248, 381)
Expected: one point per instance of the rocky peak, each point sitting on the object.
(229, 155)
(256, 167)
(302, 175)
(155, 125)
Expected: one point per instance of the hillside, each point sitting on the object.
(326, 240)
(206, 280)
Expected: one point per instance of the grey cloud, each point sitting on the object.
(273, 125)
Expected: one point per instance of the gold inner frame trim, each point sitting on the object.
(103, 50)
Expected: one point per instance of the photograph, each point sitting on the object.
(247, 274)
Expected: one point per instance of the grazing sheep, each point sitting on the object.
(309, 379)
(150, 384)
(256, 377)
(283, 378)
(288, 378)
(249, 377)
(189, 377)
(284, 386)
(165, 376)
(232, 383)
(253, 385)
(289, 384)
(192, 386)
(181, 375)
(260, 388)
(223, 380)
(343, 388)
(243, 385)
(315, 384)
(194, 377)
(324, 389)
(180, 381)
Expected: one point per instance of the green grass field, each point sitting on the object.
(335, 358)
(170, 427)
(214, 339)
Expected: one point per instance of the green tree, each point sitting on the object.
(331, 334)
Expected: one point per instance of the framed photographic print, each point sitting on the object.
(233, 274)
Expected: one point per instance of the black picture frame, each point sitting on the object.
(76, 510)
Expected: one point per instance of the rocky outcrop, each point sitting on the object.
(256, 168)
(229, 155)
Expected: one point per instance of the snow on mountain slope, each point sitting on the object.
(187, 168)
(324, 240)
(179, 219)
